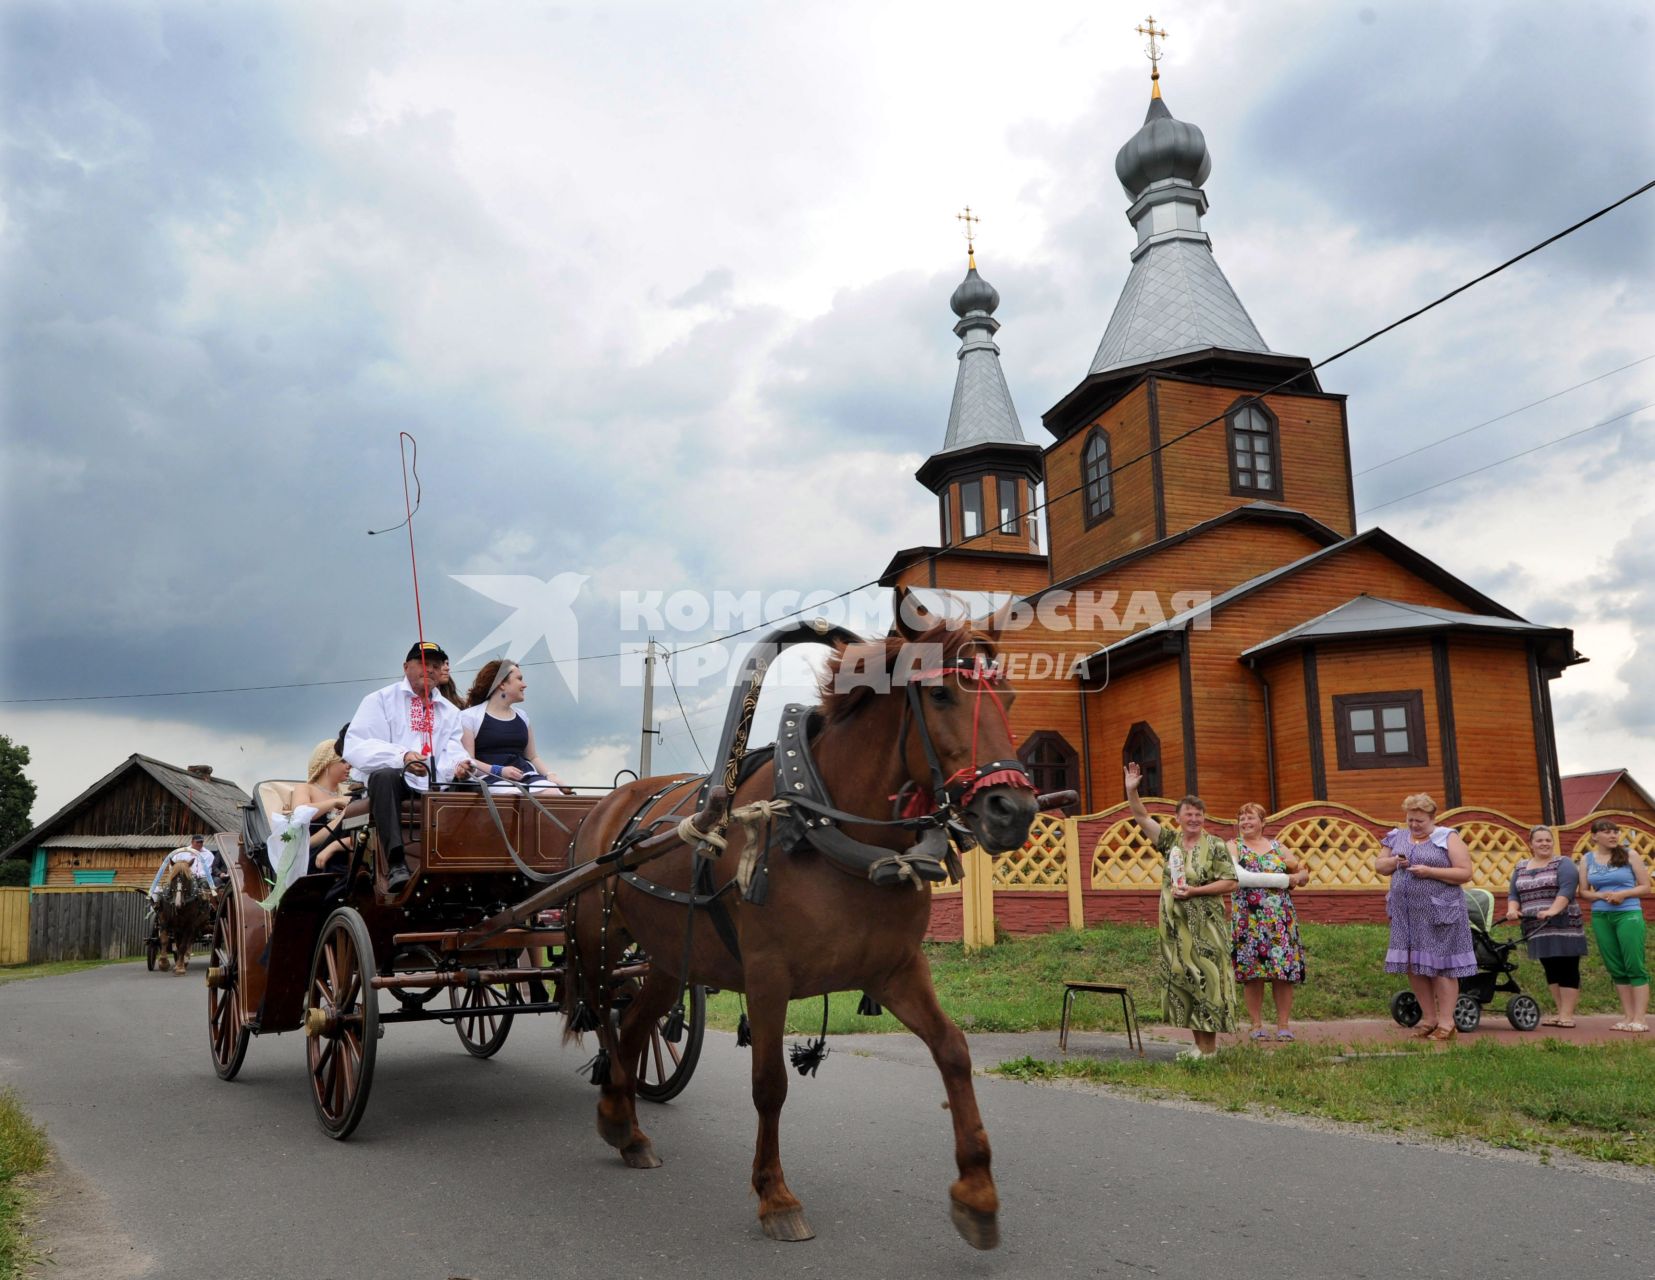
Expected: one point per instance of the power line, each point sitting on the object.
(1254, 399)
(671, 679)
(1499, 462)
(1509, 413)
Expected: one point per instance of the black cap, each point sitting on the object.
(193, 839)
(432, 650)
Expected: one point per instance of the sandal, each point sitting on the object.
(1284, 1034)
(1635, 1026)
(1621, 1026)
(1444, 1034)
(1423, 1033)
(1259, 1033)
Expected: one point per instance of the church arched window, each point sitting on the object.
(1094, 475)
(1255, 451)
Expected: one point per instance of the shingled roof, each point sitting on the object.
(216, 801)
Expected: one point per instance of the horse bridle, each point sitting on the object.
(954, 793)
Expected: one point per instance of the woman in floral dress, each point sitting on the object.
(1198, 988)
(1264, 928)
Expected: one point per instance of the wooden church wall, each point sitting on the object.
(1150, 694)
(1494, 725)
(1314, 452)
(1404, 664)
(1229, 704)
(1290, 739)
(1074, 547)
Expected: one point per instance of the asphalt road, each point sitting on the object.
(492, 1171)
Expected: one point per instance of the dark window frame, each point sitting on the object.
(1041, 770)
(1002, 485)
(1412, 701)
(1233, 434)
(947, 519)
(967, 487)
(1096, 511)
(1134, 749)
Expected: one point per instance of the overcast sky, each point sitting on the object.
(662, 292)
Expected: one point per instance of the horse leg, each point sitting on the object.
(780, 1213)
(618, 1109)
(974, 1203)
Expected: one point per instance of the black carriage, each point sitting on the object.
(450, 945)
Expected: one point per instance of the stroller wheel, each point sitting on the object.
(1467, 1013)
(1405, 1009)
(1523, 1012)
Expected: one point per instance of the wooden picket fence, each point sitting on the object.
(1108, 851)
(83, 922)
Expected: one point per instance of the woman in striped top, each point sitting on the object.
(1543, 896)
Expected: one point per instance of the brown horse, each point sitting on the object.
(820, 929)
(182, 913)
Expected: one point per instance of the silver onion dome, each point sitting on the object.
(1162, 148)
(974, 294)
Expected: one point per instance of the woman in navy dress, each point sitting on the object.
(496, 732)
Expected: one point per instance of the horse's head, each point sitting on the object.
(180, 887)
(951, 709)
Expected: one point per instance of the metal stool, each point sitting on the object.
(1134, 1038)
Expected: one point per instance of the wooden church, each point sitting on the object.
(1206, 606)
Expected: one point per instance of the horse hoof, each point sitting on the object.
(640, 1156)
(788, 1225)
(979, 1230)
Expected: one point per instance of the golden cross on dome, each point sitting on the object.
(1153, 52)
(968, 222)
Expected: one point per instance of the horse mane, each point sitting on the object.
(842, 703)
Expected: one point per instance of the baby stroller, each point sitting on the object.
(1496, 972)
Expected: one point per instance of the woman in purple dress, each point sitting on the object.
(1430, 933)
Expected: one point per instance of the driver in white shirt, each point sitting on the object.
(399, 739)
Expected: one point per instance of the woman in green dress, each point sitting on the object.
(1198, 988)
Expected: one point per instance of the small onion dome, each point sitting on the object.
(1163, 148)
(974, 294)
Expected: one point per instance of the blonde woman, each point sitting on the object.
(324, 791)
(1430, 933)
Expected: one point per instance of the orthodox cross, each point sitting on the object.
(968, 222)
(1154, 51)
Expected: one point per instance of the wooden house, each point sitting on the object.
(1205, 605)
(120, 827)
(1585, 793)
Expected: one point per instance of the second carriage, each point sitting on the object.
(342, 957)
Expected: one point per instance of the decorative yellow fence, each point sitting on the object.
(14, 926)
(1109, 851)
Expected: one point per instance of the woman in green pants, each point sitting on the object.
(1614, 880)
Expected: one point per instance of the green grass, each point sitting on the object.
(22, 1152)
(21, 972)
(1017, 985)
(1548, 1096)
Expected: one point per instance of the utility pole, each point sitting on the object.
(648, 729)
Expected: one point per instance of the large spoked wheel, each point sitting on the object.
(1405, 1009)
(341, 1023)
(152, 948)
(1467, 1013)
(227, 1031)
(484, 1033)
(665, 1067)
(1523, 1012)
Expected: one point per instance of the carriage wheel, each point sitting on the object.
(483, 1035)
(664, 1068)
(341, 1023)
(227, 1031)
(152, 948)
